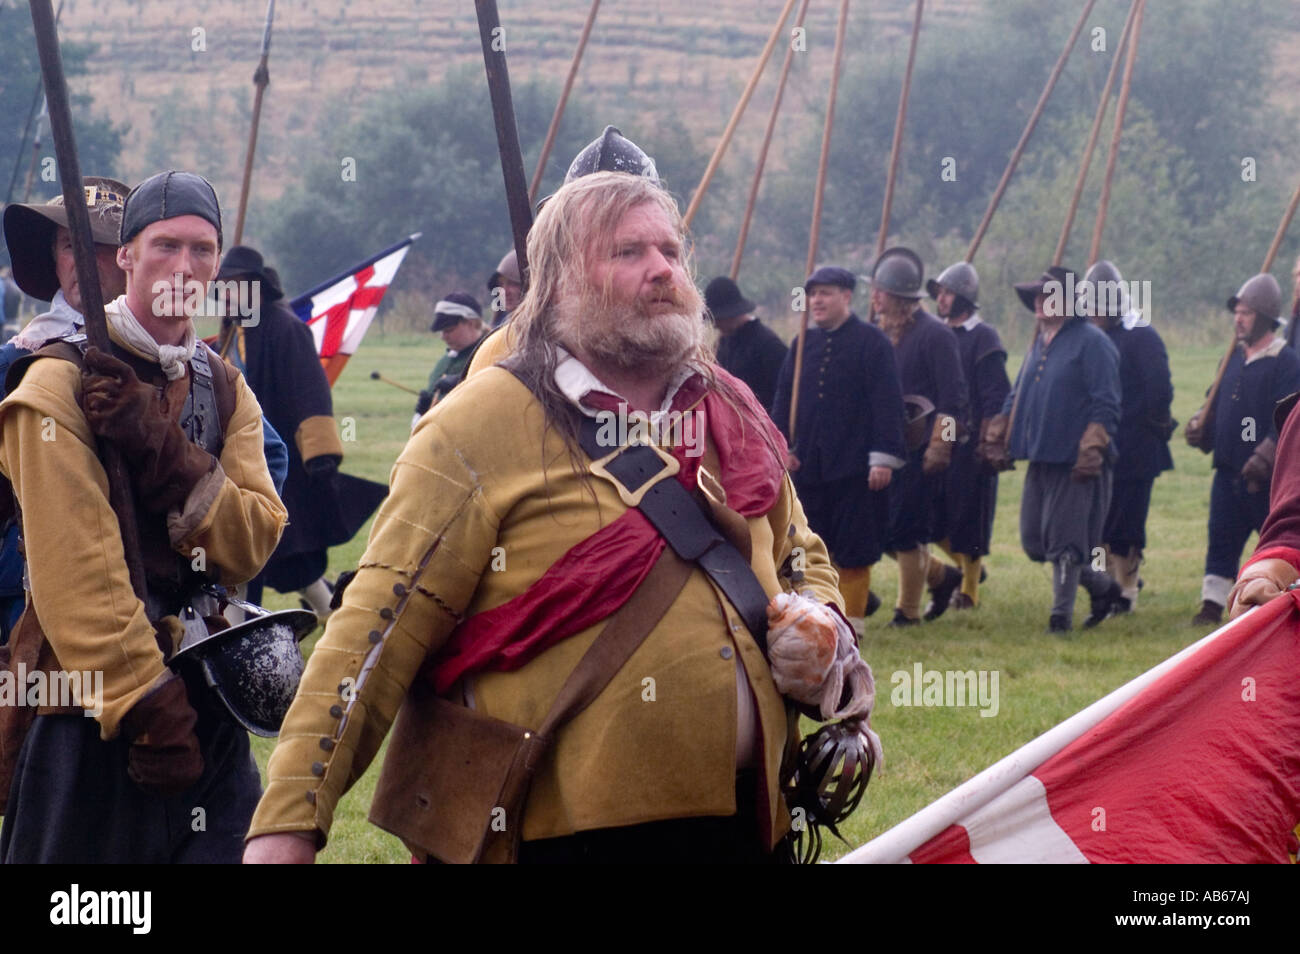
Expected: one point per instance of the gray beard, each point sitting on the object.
(627, 338)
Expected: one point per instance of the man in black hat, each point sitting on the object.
(459, 319)
(930, 374)
(848, 438)
(277, 354)
(748, 348)
(1239, 429)
(969, 492)
(159, 774)
(1145, 427)
(1061, 416)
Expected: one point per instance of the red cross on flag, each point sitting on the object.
(339, 311)
(1196, 760)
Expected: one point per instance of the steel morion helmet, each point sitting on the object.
(1262, 295)
(1102, 292)
(612, 152)
(253, 668)
(899, 272)
(960, 279)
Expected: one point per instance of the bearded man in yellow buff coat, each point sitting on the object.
(125, 786)
(500, 553)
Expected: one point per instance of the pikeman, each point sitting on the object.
(1238, 428)
(505, 289)
(458, 318)
(929, 367)
(969, 493)
(504, 553)
(1061, 416)
(1145, 426)
(126, 785)
(848, 439)
(748, 348)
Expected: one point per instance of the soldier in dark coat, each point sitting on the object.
(969, 492)
(1238, 428)
(1145, 426)
(929, 371)
(278, 357)
(748, 348)
(848, 437)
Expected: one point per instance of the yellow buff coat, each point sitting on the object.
(486, 476)
(79, 581)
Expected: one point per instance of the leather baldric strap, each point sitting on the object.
(644, 475)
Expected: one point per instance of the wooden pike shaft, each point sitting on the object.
(83, 249)
(899, 121)
(1092, 137)
(736, 113)
(559, 107)
(389, 381)
(1104, 205)
(814, 234)
(1281, 230)
(492, 38)
(261, 79)
(762, 153)
(1029, 129)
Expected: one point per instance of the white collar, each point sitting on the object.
(970, 323)
(59, 322)
(575, 379)
(1272, 351)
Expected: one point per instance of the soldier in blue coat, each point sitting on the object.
(1238, 428)
(1145, 426)
(848, 437)
(968, 496)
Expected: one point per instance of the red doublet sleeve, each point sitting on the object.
(1279, 538)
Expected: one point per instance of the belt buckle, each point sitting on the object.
(633, 498)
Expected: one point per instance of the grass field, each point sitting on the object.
(1042, 679)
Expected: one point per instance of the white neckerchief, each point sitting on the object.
(172, 358)
(59, 322)
(575, 379)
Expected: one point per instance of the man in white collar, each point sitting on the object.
(970, 490)
(503, 550)
(127, 785)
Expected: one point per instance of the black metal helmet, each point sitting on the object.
(828, 781)
(253, 668)
(899, 271)
(1262, 295)
(960, 278)
(1102, 292)
(611, 151)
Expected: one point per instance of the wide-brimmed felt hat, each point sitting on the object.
(1057, 274)
(245, 260)
(30, 227)
(723, 299)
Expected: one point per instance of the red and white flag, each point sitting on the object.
(340, 310)
(1197, 760)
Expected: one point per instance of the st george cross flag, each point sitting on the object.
(1197, 760)
(340, 310)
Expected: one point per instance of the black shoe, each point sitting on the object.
(1211, 614)
(1106, 604)
(873, 602)
(1057, 625)
(902, 619)
(941, 595)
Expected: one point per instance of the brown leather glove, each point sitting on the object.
(992, 448)
(1258, 583)
(164, 757)
(938, 455)
(1092, 452)
(1258, 470)
(123, 409)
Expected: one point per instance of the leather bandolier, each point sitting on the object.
(170, 579)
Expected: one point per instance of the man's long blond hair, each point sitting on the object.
(577, 222)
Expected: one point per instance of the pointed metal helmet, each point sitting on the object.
(1102, 292)
(959, 278)
(612, 152)
(1261, 294)
(899, 271)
